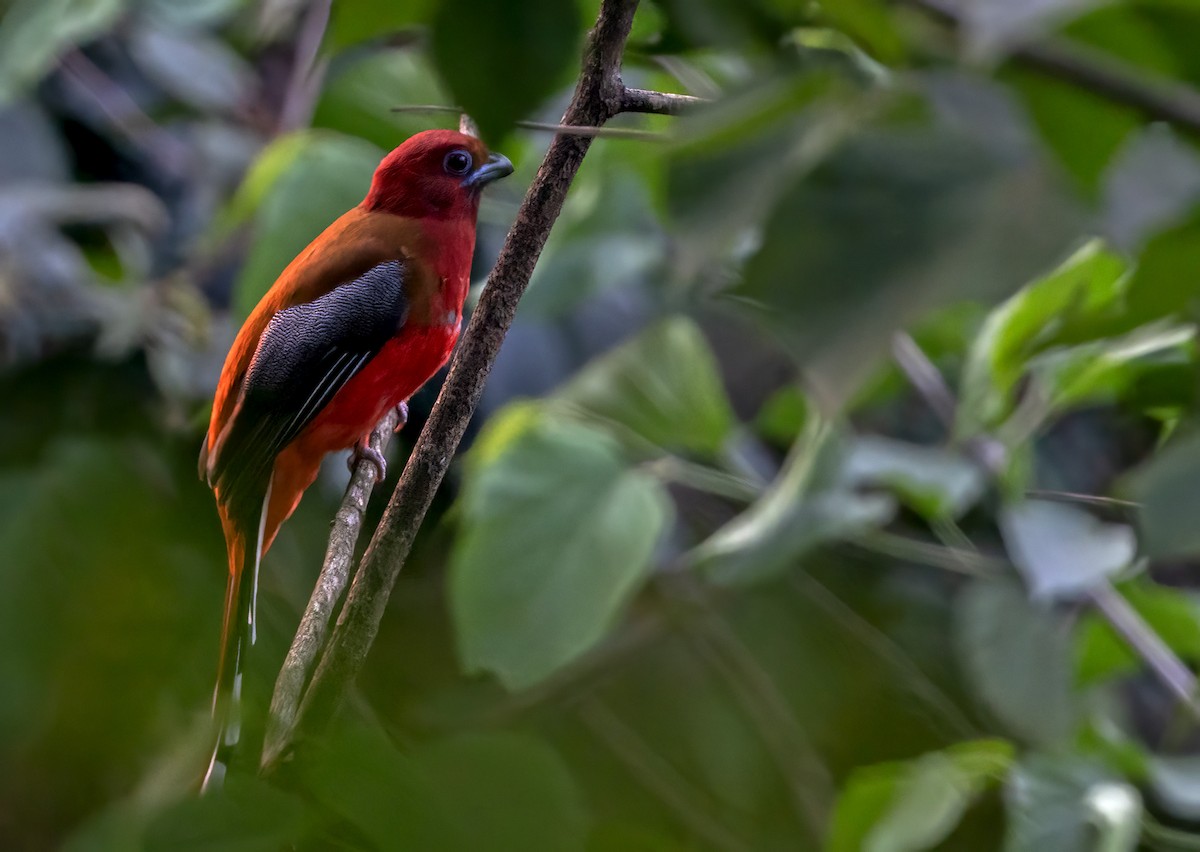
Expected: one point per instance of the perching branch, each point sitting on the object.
(1104, 75)
(598, 97)
(335, 574)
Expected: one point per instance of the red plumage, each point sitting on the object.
(363, 317)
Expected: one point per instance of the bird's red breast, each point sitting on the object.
(354, 325)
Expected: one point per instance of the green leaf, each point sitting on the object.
(896, 223)
(1059, 108)
(355, 21)
(358, 100)
(783, 415)
(1070, 804)
(557, 534)
(934, 482)
(1175, 782)
(868, 22)
(740, 153)
(914, 805)
(1166, 489)
(247, 815)
(501, 60)
(809, 502)
(1174, 615)
(1061, 550)
(34, 33)
(1153, 181)
(1017, 658)
(1109, 370)
(1084, 290)
(995, 26)
(1163, 284)
(296, 188)
(518, 792)
(663, 386)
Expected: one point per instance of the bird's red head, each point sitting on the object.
(438, 174)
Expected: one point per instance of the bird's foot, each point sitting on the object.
(402, 411)
(363, 451)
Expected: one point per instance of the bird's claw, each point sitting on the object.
(363, 451)
(402, 417)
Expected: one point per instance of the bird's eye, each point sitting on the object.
(457, 162)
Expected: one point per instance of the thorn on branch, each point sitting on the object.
(650, 102)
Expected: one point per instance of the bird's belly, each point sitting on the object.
(396, 373)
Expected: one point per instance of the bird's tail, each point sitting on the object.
(237, 635)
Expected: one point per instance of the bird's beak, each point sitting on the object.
(496, 167)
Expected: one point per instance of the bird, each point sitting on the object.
(351, 328)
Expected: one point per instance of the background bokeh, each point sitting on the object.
(724, 564)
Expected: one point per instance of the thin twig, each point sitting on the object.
(597, 98)
(1140, 636)
(809, 780)
(658, 776)
(304, 81)
(567, 129)
(924, 376)
(335, 573)
(1167, 667)
(1086, 499)
(885, 648)
(987, 452)
(604, 132)
(1102, 74)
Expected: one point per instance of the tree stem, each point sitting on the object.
(598, 97)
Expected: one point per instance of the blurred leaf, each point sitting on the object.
(1069, 804)
(574, 530)
(358, 99)
(1153, 181)
(1107, 370)
(808, 503)
(1175, 782)
(246, 816)
(783, 415)
(991, 27)
(894, 224)
(899, 807)
(934, 482)
(1085, 289)
(1059, 108)
(1174, 615)
(517, 791)
(34, 33)
(1016, 656)
(1165, 488)
(739, 154)
(1157, 36)
(501, 60)
(354, 21)
(296, 188)
(663, 385)
(192, 66)
(1163, 283)
(868, 22)
(1061, 550)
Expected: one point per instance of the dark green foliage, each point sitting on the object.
(714, 572)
